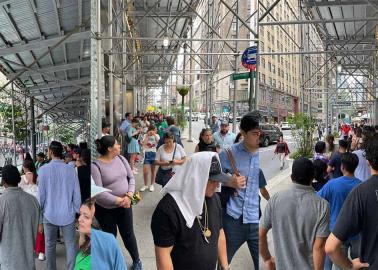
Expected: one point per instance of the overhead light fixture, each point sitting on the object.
(339, 68)
(166, 42)
(159, 78)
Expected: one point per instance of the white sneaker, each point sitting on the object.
(41, 257)
(143, 188)
(152, 189)
(135, 172)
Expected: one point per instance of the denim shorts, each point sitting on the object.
(149, 158)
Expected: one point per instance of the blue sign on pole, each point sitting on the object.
(249, 58)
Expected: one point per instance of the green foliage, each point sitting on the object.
(183, 90)
(303, 128)
(20, 123)
(180, 117)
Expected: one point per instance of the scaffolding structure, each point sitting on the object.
(44, 53)
(348, 52)
(152, 46)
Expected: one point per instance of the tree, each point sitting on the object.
(302, 129)
(20, 122)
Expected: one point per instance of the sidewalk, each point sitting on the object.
(142, 220)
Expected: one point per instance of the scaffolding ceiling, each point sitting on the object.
(45, 50)
(347, 26)
(158, 20)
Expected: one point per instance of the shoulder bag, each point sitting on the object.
(227, 192)
(163, 176)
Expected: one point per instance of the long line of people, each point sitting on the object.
(337, 226)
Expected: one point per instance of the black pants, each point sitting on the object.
(122, 218)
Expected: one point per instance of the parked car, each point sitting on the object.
(269, 133)
(285, 126)
(201, 116)
(194, 116)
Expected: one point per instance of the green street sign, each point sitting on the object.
(242, 76)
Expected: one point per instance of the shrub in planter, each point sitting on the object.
(303, 128)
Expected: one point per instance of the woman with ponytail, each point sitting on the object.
(113, 208)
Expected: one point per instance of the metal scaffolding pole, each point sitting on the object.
(236, 70)
(110, 74)
(302, 81)
(33, 137)
(191, 84)
(13, 128)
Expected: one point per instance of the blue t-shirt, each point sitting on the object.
(105, 252)
(335, 162)
(335, 192)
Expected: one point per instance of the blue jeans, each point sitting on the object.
(69, 236)
(237, 234)
(354, 246)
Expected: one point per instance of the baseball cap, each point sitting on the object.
(216, 173)
(96, 190)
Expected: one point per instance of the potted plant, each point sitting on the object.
(302, 129)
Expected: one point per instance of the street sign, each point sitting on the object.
(249, 58)
(242, 76)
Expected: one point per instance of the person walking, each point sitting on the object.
(169, 157)
(150, 141)
(19, 219)
(206, 142)
(282, 150)
(214, 124)
(335, 192)
(133, 148)
(224, 138)
(59, 197)
(241, 211)
(187, 223)
(114, 211)
(299, 220)
(359, 215)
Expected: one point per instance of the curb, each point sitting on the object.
(278, 179)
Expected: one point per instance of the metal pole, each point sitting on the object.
(325, 99)
(257, 43)
(13, 128)
(236, 70)
(111, 90)
(33, 137)
(302, 57)
(251, 102)
(191, 85)
(99, 70)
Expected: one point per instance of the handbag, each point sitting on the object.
(227, 192)
(163, 176)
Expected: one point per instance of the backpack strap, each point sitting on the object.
(123, 162)
(232, 161)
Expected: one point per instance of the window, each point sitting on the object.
(263, 79)
(274, 69)
(262, 62)
(270, 81)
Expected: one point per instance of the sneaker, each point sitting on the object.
(135, 172)
(41, 257)
(152, 189)
(137, 265)
(143, 188)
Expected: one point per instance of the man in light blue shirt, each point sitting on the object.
(59, 197)
(214, 124)
(126, 123)
(241, 216)
(224, 138)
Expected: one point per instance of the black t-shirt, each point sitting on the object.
(190, 251)
(359, 214)
(336, 163)
(84, 175)
(280, 147)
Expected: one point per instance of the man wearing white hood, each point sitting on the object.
(187, 223)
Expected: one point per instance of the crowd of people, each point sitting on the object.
(41, 203)
(327, 218)
(210, 203)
